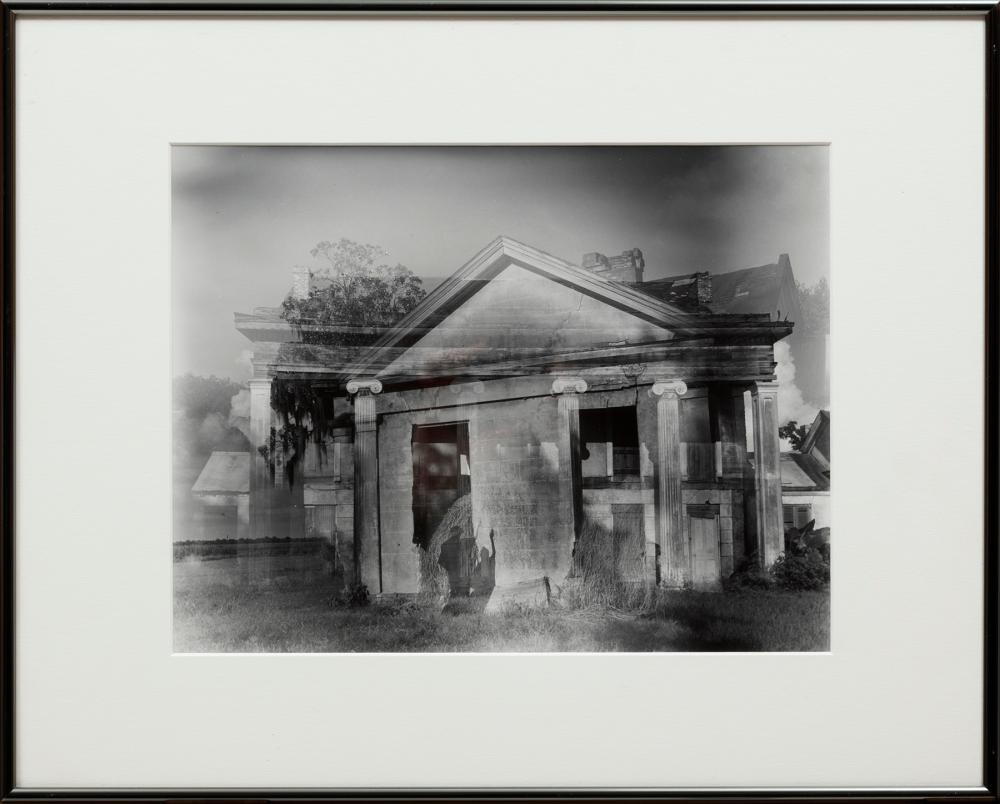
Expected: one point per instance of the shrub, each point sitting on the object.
(798, 572)
(749, 575)
(357, 595)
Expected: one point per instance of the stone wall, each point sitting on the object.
(519, 486)
(520, 481)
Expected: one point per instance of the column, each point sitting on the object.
(567, 389)
(367, 560)
(767, 472)
(669, 499)
(261, 483)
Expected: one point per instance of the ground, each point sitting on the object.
(215, 612)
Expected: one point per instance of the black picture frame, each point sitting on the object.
(989, 12)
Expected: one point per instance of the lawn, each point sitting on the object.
(213, 612)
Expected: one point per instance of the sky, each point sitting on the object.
(244, 217)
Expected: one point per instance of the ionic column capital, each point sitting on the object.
(569, 385)
(364, 386)
(669, 388)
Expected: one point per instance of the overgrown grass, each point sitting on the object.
(597, 580)
(215, 612)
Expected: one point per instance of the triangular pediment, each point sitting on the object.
(513, 302)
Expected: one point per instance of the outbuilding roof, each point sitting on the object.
(224, 473)
(803, 473)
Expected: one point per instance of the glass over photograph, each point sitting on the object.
(495, 399)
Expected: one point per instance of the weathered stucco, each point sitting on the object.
(516, 313)
(518, 478)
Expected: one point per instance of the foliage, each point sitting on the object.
(353, 296)
(792, 571)
(457, 521)
(749, 575)
(197, 397)
(795, 433)
(815, 303)
(800, 572)
(307, 416)
(598, 581)
(357, 595)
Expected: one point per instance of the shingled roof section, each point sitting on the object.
(692, 292)
(762, 290)
(757, 290)
(750, 290)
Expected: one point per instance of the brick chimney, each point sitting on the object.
(704, 281)
(626, 267)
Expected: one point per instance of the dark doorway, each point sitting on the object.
(442, 475)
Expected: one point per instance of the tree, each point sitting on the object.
(795, 433)
(197, 397)
(815, 303)
(354, 295)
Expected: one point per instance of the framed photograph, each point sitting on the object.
(437, 400)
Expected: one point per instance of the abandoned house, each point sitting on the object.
(805, 477)
(535, 403)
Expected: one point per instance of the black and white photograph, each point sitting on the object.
(500, 398)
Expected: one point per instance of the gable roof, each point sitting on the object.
(224, 473)
(501, 253)
(504, 251)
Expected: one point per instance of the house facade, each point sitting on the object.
(805, 477)
(555, 402)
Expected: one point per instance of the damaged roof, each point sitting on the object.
(764, 289)
(692, 292)
(755, 290)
